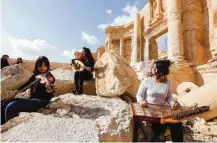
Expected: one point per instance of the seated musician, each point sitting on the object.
(157, 90)
(87, 74)
(40, 91)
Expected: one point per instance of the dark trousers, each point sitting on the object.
(12, 108)
(176, 131)
(79, 77)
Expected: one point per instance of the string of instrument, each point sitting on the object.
(44, 79)
(156, 113)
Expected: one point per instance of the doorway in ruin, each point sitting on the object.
(116, 46)
(162, 46)
(158, 47)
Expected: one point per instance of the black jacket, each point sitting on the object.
(38, 90)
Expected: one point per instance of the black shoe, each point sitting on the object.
(79, 91)
(74, 90)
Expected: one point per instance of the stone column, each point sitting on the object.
(153, 49)
(151, 14)
(109, 44)
(147, 50)
(159, 7)
(175, 38)
(135, 40)
(122, 46)
(193, 33)
(214, 10)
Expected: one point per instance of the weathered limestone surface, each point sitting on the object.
(175, 37)
(204, 96)
(193, 37)
(185, 88)
(65, 82)
(207, 128)
(73, 118)
(114, 76)
(180, 73)
(12, 77)
(143, 69)
(206, 72)
(41, 128)
(209, 22)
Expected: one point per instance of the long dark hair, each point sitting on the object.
(86, 55)
(162, 67)
(40, 60)
(19, 60)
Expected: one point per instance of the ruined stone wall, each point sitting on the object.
(127, 50)
(192, 29)
(192, 35)
(116, 46)
(209, 23)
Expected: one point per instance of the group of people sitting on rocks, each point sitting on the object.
(5, 61)
(155, 90)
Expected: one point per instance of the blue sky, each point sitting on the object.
(55, 28)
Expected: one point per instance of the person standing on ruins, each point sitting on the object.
(86, 74)
(157, 90)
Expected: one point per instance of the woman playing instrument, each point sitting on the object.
(157, 90)
(41, 89)
(87, 74)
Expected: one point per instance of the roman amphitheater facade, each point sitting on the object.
(191, 29)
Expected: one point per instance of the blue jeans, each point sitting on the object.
(17, 105)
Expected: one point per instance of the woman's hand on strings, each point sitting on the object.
(143, 103)
(175, 105)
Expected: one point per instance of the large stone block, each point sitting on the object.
(185, 88)
(205, 95)
(12, 77)
(73, 119)
(65, 82)
(115, 77)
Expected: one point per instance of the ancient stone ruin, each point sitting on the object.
(101, 114)
(192, 36)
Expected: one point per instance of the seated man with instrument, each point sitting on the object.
(83, 68)
(41, 89)
(157, 90)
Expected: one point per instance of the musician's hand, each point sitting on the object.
(89, 69)
(175, 105)
(143, 103)
(47, 86)
(77, 66)
(13, 95)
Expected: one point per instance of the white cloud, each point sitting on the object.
(90, 39)
(109, 11)
(27, 49)
(102, 26)
(69, 54)
(130, 12)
